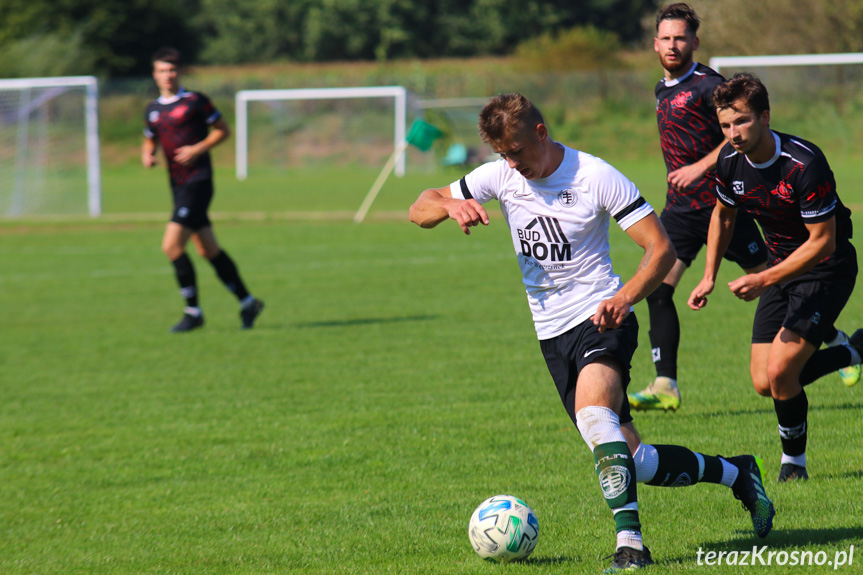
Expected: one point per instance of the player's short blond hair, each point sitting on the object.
(505, 115)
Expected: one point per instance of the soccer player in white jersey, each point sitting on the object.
(558, 203)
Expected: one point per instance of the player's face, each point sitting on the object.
(748, 132)
(525, 152)
(675, 44)
(167, 77)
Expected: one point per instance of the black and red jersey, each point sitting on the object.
(688, 131)
(794, 188)
(180, 121)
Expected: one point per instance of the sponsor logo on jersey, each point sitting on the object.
(567, 198)
(154, 116)
(737, 187)
(543, 239)
(680, 99)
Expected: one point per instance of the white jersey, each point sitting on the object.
(559, 227)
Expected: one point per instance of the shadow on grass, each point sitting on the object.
(367, 321)
(840, 407)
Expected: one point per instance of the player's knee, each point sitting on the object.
(661, 295)
(172, 250)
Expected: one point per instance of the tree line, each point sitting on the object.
(117, 37)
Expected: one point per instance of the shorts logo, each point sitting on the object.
(543, 239)
(753, 248)
(737, 187)
(567, 198)
(183, 212)
(154, 116)
(816, 319)
(614, 481)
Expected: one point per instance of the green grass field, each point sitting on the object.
(393, 383)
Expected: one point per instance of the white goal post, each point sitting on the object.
(717, 62)
(36, 128)
(243, 97)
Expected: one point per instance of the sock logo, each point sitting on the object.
(792, 432)
(614, 479)
(657, 355)
(545, 242)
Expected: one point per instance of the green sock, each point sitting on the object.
(616, 471)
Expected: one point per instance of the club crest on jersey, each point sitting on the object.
(543, 239)
(154, 116)
(784, 190)
(737, 187)
(680, 99)
(567, 198)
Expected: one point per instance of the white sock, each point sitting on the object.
(729, 473)
(646, 460)
(193, 311)
(795, 459)
(841, 337)
(247, 301)
(630, 539)
(855, 355)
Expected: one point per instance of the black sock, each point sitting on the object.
(664, 330)
(230, 276)
(831, 335)
(825, 361)
(792, 415)
(185, 273)
(677, 467)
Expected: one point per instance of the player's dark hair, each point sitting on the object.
(167, 54)
(505, 115)
(680, 11)
(742, 86)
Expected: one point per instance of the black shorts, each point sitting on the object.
(808, 307)
(566, 354)
(688, 233)
(191, 202)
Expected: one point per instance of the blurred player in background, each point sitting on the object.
(187, 125)
(558, 203)
(786, 183)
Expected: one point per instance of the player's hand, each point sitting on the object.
(748, 287)
(698, 297)
(684, 177)
(611, 313)
(148, 159)
(186, 155)
(467, 213)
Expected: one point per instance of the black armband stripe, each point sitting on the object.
(464, 191)
(629, 209)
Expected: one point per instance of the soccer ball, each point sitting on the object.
(503, 528)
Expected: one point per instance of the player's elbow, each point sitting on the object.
(419, 216)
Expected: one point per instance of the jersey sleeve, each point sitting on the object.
(817, 192)
(483, 184)
(149, 129)
(208, 110)
(721, 178)
(620, 197)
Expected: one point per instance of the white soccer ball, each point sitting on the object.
(503, 528)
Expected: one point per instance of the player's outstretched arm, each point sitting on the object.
(718, 236)
(436, 205)
(659, 257)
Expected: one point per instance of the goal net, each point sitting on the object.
(49, 147)
(817, 97)
(319, 128)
